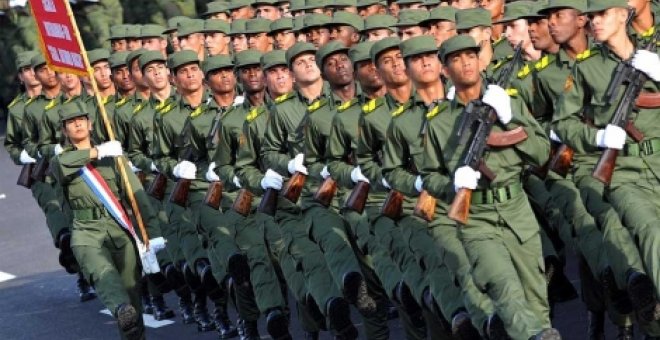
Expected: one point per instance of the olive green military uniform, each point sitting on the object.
(16, 109)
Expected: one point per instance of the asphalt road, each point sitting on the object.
(39, 300)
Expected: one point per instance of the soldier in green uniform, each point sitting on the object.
(500, 240)
(216, 37)
(315, 29)
(627, 191)
(100, 234)
(441, 24)
(118, 38)
(346, 28)
(237, 34)
(256, 32)
(281, 31)
(153, 38)
(496, 9)
(191, 36)
(477, 24)
(241, 9)
(126, 89)
(378, 26)
(217, 10)
(409, 23)
(99, 60)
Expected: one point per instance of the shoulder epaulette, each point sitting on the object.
(437, 109)
(344, 106)
(524, 71)
(283, 98)
(197, 111)
(14, 102)
(511, 92)
(51, 104)
(30, 101)
(586, 54)
(254, 113)
(140, 106)
(372, 105)
(544, 62)
(399, 110)
(317, 105)
(500, 63)
(165, 109)
(122, 102)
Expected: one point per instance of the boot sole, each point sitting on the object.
(339, 314)
(641, 292)
(278, 328)
(356, 293)
(127, 318)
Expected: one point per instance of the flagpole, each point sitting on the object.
(108, 126)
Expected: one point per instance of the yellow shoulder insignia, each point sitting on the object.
(122, 102)
(14, 102)
(29, 101)
(500, 63)
(512, 92)
(437, 109)
(105, 100)
(51, 104)
(254, 113)
(139, 107)
(399, 110)
(283, 97)
(586, 54)
(524, 72)
(650, 32)
(316, 105)
(543, 63)
(371, 105)
(344, 106)
(166, 109)
(198, 111)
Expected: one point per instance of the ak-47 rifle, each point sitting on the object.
(357, 199)
(214, 192)
(328, 189)
(179, 195)
(159, 184)
(25, 178)
(635, 79)
(482, 117)
(40, 169)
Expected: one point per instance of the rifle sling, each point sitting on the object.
(648, 100)
(506, 138)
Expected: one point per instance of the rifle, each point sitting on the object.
(40, 169)
(214, 192)
(268, 204)
(425, 207)
(179, 195)
(243, 202)
(157, 187)
(328, 189)
(393, 205)
(484, 117)
(25, 178)
(142, 177)
(357, 200)
(293, 187)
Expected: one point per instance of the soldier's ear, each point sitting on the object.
(487, 33)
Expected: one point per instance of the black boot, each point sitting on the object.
(238, 268)
(201, 313)
(186, 306)
(128, 320)
(66, 258)
(547, 334)
(85, 290)
(247, 330)
(355, 292)
(339, 313)
(596, 330)
(407, 301)
(642, 295)
(392, 311)
(618, 297)
(147, 306)
(462, 328)
(494, 329)
(161, 311)
(226, 330)
(625, 333)
(560, 288)
(277, 325)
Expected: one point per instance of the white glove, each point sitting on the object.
(272, 180)
(58, 149)
(466, 177)
(133, 167)
(157, 244)
(17, 3)
(418, 184)
(148, 259)
(238, 100)
(612, 137)
(385, 184)
(497, 98)
(357, 176)
(153, 167)
(296, 164)
(647, 62)
(553, 137)
(109, 149)
(211, 176)
(26, 159)
(451, 93)
(237, 182)
(185, 170)
(325, 173)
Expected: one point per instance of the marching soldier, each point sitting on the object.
(281, 31)
(216, 37)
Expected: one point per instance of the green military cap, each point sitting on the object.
(264, 3)
(296, 5)
(314, 4)
(216, 25)
(348, 19)
(236, 4)
(384, 45)
(97, 55)
(134, 55)
(443, 13)
(216, 7)
(315, 20)
(473, 17)
(37, 60)
(133, 31)
(72, 109)
(298, 49)
(457, 43)
(299, 23)
(272, 59)
(118, 32)
(118, 59)
(177, 59)
(534, 10)
(360, 52)
(411, 17)
(601, 5)
(23, 59)
(217, 62)
(418, 45)
(342, 3)
(366, 3)
(580, 5)
(246, 58)
(173, 23)
(189, 27)
(152, 31)
(237, 27)
(149, 57)
(433, 3)
(379, 21)
(257, 25)
(282, 24)
(329, 49)
(409, 2)
(515, 10)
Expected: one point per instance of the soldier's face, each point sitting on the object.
(136, 74)
(220, 16)
(481, 35)
(239, 43)
(442, 30)
(463, 68)
(77, 129)
(495, 7)
(379, 34)
(122, 79)
(102, 75)
(285, 9)
(318, 36)
(252, 78)
(418, 5)
(539, 34)
(564, 24)
(27, 77)
(606, 24)
(366, 75)
(217, 43)
(193, 42)
(242, 13)
(408, 32)
(424, 68)
(189, 78)
(284, 39)
(391, 68)
(517, 32)
(46, 76)
(268, 12)
(338, 69)
(260, 42)
(640, 6)
(154, 44)
(305, 69)
(369, 10)
(222, 80)
(156, 75)
(279, 80)
(134, 44)
(69, 81)
(174, 40)
(463, 4)
(346, 34)
(118, 45)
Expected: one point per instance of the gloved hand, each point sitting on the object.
(133, 167)
(553, 137)
(211, 176)
(497, 98)
(272, 180)
(466, 177)
(612, 137)
(185, 170)
(154, 168)
(451, 93)
(296, 164)
(647, 62)
(109, 149)
(325, 173)
(418, 184)
(26, 159)
(385, 183)
(237, 182)
(357, 176)
(148, 259)
(157, 244)
(58, 149)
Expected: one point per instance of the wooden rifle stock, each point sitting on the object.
(542, 171)
(141, 176)
(326, 192)
(158, 186)
(293, 187)
(268, 204)
(179, 194)
(425, 207)
(605, 167)
(25, 178)
(243, 202)
(460, 206)
(358, 197)
(214, 195)
(562, 160)
(39, 171)
(393, 205)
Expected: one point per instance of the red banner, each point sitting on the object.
(59, 35)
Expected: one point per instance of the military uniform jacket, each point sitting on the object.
(100, 133)
(34, 112)
(50, 127)
(15, 134)
(124, 107)
(249, 168)
(141, 132)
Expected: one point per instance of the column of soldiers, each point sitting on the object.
(321, 150)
